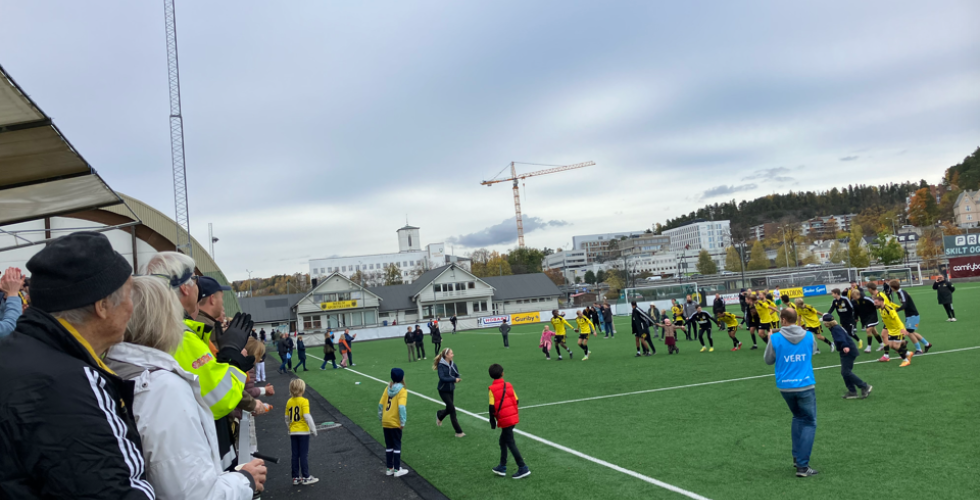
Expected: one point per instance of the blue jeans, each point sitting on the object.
(301, 451)
(803, 404)
(609, 329)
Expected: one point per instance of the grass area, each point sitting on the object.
(915, 437)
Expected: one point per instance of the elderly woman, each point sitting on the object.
(175, 424)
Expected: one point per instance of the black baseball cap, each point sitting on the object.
(208, 286)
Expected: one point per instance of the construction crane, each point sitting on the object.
(182, 218)
(517, 194)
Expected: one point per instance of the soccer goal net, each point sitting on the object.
(661, 294)
(907, 275)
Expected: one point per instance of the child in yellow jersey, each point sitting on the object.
(731, 323)
(894, 332)
(559, 323)
(810, 319)
(765, 317)
(585, 327)
(392, 414)
(773, 313)
(301, 425)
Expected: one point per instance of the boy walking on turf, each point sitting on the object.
(559, 323)
(301, 425)
(392, 414)
(641, 330)
(504, 330)
(791, 350)
(848, 353)
(585, 327)
(504, 414)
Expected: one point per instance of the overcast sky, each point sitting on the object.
(314, 128)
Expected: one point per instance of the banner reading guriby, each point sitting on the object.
(525, 318)
(964, 267)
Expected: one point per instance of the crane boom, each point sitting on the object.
(182, 217)
(517, 193)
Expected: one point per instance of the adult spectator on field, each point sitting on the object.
(504, 330)
(174, 422)
(690, 309)
(285, 348)
(419, 339)
(453, 321)
(607, 317)
(742, 304)
(66, 430)
(350, 344)
(11, 306)
(718, 306)
(220, 367)
(262, 335)
(791, 349)
(944, 293)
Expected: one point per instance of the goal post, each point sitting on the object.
(661, 294)
(907, 275)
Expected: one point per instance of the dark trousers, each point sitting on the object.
(350, 358)
(701, 333)
(301, 451)
(609, 329)
(447, 397)
(949, 311)
(419, 350)
(506, 342)
(507, 442)
(301, 362)
(393, 448)
(331, 359)
(437, 346)
(850, 379)
(286, 361)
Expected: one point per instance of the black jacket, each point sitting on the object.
(409, 337)
(436, 336)
(66, 430)
(419, 336)
(640, 321)
(448, 373)
(842, 340)
(718, 306)
(944, 291)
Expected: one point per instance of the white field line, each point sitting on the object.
(579, 454)
(649, 391)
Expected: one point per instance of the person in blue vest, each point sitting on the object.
(791, 349)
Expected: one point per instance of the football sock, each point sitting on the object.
(827, 341)
(886, 350)
(918, 347)
(585, 348)
(878, 338)
(869, 340)
(924, 341)
(734, 342)
(855, 337)
(753, 339)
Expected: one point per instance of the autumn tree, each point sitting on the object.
(555, 276)
(757, 257)
(706, 265)
(838, 253)
(857, 255)
(392, 275)
(886, 249)
(357, 277)
(615, 285)
(923, 210)
(930, 247)
(808, 258)
(733, 261)
(525, 260)
(497, 265)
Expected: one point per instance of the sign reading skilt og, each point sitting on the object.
(962, 245)
(340, 304)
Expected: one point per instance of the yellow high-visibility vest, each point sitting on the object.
(221, 383)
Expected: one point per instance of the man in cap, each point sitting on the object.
(66, 430)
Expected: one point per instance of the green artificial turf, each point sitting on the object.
(915, 437)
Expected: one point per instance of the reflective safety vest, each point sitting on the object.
(221, 383)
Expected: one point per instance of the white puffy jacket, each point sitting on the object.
(177, 428)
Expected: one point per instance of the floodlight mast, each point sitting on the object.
(517, 193)
(182, 217)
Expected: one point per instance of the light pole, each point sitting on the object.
(249, 282)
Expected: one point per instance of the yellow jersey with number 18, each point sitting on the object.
(296, 408)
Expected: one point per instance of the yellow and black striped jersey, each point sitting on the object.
(762, 307)
(811, 317)
(584, 325)
(560, 323)
(731, 321)
(893, 323)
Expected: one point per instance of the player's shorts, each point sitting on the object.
(812, 329)
(896, 338)
(774, 326)
(869, 322)
(912, 323)
(732, 329)
(678, 321)
(583, 336)
(559, 339)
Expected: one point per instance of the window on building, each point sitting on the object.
(968, 208)
(471, 285)
(437, 288)
(311, 323)
(969, 217)
(480, 306)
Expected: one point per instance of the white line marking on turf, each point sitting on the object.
(661, 389)
(648, 479)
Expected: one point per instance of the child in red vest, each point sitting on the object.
(503, 413)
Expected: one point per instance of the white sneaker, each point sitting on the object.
(954, 320)
(833, 348)
(867, 349)
(309, 480)
(400, 472)
(585, 358)
(817, 351)
(880, 348)
(949, 320)
(389, 472)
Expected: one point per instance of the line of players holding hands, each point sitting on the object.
(761, 317)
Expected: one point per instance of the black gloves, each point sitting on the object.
(231, 342)
(493, 421)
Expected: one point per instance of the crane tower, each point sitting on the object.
(182, 217)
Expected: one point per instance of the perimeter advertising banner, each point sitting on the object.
(964, 267)
(492, 321)
(962, 245)
(525, 318)
(340, 304)
(810, 291)
(791, 293)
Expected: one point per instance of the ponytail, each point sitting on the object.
(442, 354)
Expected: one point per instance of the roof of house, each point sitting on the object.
(394, 297)
(520, 286)
(270, 308)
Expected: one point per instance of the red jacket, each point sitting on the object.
(508, 415)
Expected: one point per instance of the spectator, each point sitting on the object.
(329, 352)
(220, 368)
(285, 354)
(419, 338)
(453, 321)
(658, 317)
(791, 349)
(944, 292)
(165, 405)
(448, 378)
(718, 306)
(597, 318)
(262, 335)
(301, 353)
(66, 431)
(607, 316)
(350, 342)
(12, 305)
(436, 338)
(410, 343)
(504, 330)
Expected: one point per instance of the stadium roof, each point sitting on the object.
(41, 174)
(520, 286)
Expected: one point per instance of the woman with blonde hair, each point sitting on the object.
(448, 378)
(176, 425)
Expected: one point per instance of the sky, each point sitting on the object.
(319, 128)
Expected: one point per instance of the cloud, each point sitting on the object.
(766, 173)
(503, 233)
(849, 158)
(783, 179)
(725, 190)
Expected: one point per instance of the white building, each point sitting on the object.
(688, 240)
(411, 260)
(597, 245)
(565, 259)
